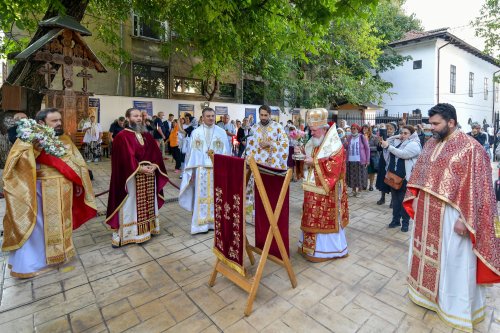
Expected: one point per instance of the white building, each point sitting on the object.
(443, 69)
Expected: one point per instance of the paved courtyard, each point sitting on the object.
(162, 284)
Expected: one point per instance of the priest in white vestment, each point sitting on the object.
(197, 192)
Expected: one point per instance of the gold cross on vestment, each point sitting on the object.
(418, 242)
(431, 249)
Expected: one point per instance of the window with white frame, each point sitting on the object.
(453, 79)
(471, 84)
(149, 28)
(485, 88)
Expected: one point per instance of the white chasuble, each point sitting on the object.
(197, 192)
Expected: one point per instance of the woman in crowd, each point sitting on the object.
(173, 139)
(358, 157)
(403, 151)
(374, 155)
(386, 131)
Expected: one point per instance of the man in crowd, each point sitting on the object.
(116, 127)
(454, 248)
(159, 132)
(477, 134)
(138, 176)
(242, 136)
(197, 193)
(12, 131)
(230, 130)
(92, 140)
(168, 126)
(46, 198)
(269, 142)
(325, 210)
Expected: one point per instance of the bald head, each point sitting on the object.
(20, 115)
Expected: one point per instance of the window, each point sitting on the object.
(453, 79)
(149, 29)
(188, 86)
(485, 88)
(471, 84)
(150, 81)
(417, 64)
(227, 90)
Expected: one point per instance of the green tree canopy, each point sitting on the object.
(488, 27)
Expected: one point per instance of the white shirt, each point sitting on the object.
(354, 153)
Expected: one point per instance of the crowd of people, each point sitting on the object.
(437, 175)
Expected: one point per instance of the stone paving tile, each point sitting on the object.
(162, 285)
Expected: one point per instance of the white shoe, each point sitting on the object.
(88, 161)
(96, 160)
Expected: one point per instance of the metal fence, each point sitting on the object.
(379, 119)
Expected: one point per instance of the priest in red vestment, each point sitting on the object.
(325, 210)
(138, 176)
(454, 248)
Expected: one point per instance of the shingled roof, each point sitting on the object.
(413, 37)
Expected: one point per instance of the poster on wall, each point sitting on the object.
(144, 106)
(275, 114)
(296, 119)
(221, 110)
(185, 108)
(251, 114)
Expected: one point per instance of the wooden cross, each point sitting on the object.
(47, 71)
(85, 75)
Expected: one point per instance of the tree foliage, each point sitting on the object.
(488, 27)
(308, 52)
(352, 53)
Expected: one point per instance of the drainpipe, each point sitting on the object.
(498, 83)
(438, 65)
(495, 123)
(119, 91)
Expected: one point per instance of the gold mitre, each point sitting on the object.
(317, 117)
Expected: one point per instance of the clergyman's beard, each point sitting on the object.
(441, 135)
(317, 141)
(138, 127)
(58, 130)
(264, 123)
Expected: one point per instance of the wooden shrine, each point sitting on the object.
(63, 47)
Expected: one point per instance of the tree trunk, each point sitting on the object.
(25, 74)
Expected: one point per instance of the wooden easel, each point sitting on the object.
(251, 283)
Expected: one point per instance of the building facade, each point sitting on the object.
(443, 69)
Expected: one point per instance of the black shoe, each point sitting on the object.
(381, 201)
(371, 188)
(394, 225)
(404, 228)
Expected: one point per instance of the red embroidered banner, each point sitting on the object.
(273, 180)
(229, 219)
